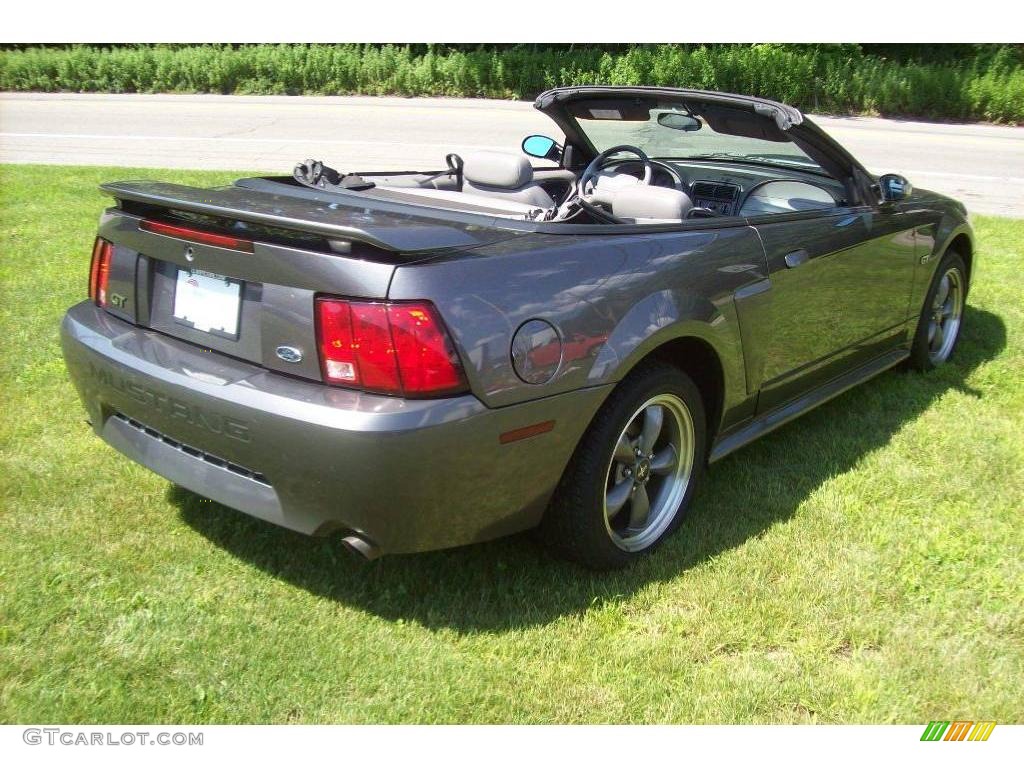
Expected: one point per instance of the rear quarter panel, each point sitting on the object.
(612, 299)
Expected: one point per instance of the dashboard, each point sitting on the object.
(786, 196)
(728, 189)
(720, 197)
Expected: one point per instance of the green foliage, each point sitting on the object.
(862, 564)
(972, 82)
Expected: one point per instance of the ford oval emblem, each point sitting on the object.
(289, 354)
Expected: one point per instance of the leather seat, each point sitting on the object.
(503, 175)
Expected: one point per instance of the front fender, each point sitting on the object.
(948, 230)
(933, 241)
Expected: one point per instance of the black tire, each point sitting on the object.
(923, 355)
(575, 524)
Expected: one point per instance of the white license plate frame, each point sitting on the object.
(208, 302)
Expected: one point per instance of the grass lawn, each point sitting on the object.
(864, 564)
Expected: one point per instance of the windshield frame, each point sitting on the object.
(839, 164)
(748, 120)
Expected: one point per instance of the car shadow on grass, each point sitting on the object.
(514, 583)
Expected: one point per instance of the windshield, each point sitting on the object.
(675, 131)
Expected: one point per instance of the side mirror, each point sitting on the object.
(543, 147)
(893, 188)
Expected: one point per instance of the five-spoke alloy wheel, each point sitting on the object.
(634, 471)
(942, 315)
(946, 309)
(649, 472)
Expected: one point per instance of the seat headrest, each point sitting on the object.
(497, 169)
(642, 202)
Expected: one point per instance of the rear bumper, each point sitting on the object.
(407, 475)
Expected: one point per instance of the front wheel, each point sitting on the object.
(938, 330)
(634, 472)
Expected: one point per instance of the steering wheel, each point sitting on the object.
(577, 199)
(598, 163)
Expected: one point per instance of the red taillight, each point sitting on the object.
(196, 235)
(425, 357)
(399, 348)
(99, 271)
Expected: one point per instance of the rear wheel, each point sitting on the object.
(634, 472)
(938, 330)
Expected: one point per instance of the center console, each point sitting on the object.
(716, 196)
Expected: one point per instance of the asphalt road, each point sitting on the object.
(983, 165)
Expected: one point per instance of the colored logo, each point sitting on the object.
(958, 730)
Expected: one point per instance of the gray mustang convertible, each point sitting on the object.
(418, 360)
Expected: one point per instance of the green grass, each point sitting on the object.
(864, 564)
(951, 82)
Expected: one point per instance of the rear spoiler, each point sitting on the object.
(334, 216)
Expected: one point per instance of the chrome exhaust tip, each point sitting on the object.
(361, 547)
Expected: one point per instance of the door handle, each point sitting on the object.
(796, 258)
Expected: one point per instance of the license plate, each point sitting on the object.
(208, 302)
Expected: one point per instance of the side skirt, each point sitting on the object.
(785, 413)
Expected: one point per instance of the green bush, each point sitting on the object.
(980, 82)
